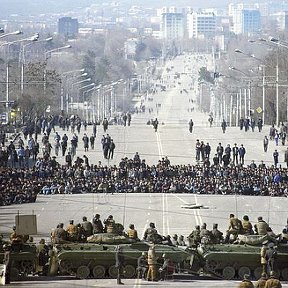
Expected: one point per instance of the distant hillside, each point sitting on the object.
(34, 7)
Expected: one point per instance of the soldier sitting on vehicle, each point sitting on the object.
(261, 226)
(109, 225)
(234, 228)
(132, 233)
(194, 237)
(181, 241)
(247, 228)
(72, 231)
(150, 232)
(216, 235)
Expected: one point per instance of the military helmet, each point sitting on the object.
(71, 221)
(84, 218)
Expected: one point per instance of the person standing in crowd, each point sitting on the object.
(235, 152)
(111, 149)
(286, 157)
(265, 143)
(85, 140)
(142, 266)
(242, 152)
(94, 129)
(120, 263)
(105, 124)
(191, 124)
(276, 158)
(260, 124)
(224, 126)
(92, 141)
(220, 151)
(7, 262)
(263, 256)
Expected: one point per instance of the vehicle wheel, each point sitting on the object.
(113, 271)
(228, 273)
(242, 271)
(14, 274)
(257, 273)
(99, 271)
(82, 272)
(284, 274)
(212, 265)
(27, 266)
(65, 266)
(129, 271)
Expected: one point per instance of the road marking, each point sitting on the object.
(137, 283)
(196, 212)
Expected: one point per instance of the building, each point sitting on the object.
(172, 26)
(281, 19)
(68, 27)
(201, 24)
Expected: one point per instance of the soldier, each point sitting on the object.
(263, 256)
(175, 240)
(43, 257)
(166, 267)
(87, 227)
(120, 263)
(15, 238)
(7, 262)
(181, 241)
(262, 281)
(105, 124)
(271, 255)
(205, 234)
(272, 282)
(132, 233)
(152, 261)
(246, 282)
(191, 124)
(223, 125)
(247, 226)
(235, 226)
(142, 266)
(72, 231)
(261, 226)
(217, 236)
(109, 224)
(150, 232)
(97, 224)
(60, 234)
(194, 237)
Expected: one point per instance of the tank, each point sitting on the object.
(23, 257)
(86, 260)
(232, 261)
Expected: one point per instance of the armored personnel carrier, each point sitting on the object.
(98, 259)
(23, 257)
(232, 261)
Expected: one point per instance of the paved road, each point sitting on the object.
(173, 140)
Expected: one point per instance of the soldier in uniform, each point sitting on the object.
(109, 224)
(150, 232)
(132, 233)
(60, 234)
(7, 261)
(175, 240)
(142, 265)
(271, 255)
(205, 235)
(152, 262)
(262, 281)
(181, 241)
(263, 257)
(87, 227)
(246, 282)
(16, 238)
(217, 235)
(97, 224)
(261, 226)
(246, 226)
(72, 231)
(273, 282)
(194, 237)
(235, 226)
(120, 263)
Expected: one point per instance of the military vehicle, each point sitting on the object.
(24, 259)
(98, 260)
(232, 261)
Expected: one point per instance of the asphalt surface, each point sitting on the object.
(173, 110)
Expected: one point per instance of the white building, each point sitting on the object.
(281, 19)
(201, 24)
(172, 26)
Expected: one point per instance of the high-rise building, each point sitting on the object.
(68, 27)
(281, 20)
(246, 21)
(201, 24)
(172, 26)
